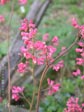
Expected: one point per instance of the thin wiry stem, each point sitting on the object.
(39, 90)
(26, 99)
(8, 56)
(47, 68)
(34, 82)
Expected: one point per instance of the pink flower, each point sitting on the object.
(40, 60)
(27, 55)
(82, 77)
(58, 66)
(82, 31)
(16, 91)
(53, 88)
(82, 54)
(32, 33)
(31, 24)
(2, 2)
(34, 59)
(16, 97)
(23, 50)
(55, 41)
(2, 19)
(51, 49)
(30, 44)
(45, 37)
(80, 61)
(73, 106)
(81, 44)
(39, 45)
(79, 50)
(82, 104)
(75, 23)
(21, 67)
(1, 99)
(24, 25)
(22, 2)
(77, 72)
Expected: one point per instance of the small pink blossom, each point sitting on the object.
(79, 50)
(53, 88)
(16, 97)
(80, 61)
(40, 60)
(32, 33)
(2, 19)
(21, 67)
(24, 25)
(82, 54)
(30, 45)
(22, 2)
(77, 72)
(45, 37)
(81, 44)
(75, 23)
(2, 2)
(1, 99)
(16, 91)
(73, 106)
(27, 55)
(82, 77)
(51, 49)
(39, 45)
(31, 24)
(58, 66)
(82, 31)
(34, 59)
(24, 34)
(23, 50)
(82, 104)
(55, 41)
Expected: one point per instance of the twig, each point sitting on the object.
(39, 90)
(47, 68)
(8, 57)
(26, 99)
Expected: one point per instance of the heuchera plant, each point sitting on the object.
(37, 52)
(73, 105)
(80, 49)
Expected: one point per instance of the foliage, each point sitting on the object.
(57, 102)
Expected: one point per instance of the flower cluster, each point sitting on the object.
(35, 50)
(21, 2)
(21, 67)
(80, 60)
(79, 27)
(73, 106)
(53, 88)
(2, 2)
(16, 91)
(80, 49)
(77, 72)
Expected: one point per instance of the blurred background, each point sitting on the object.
(56, 21)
